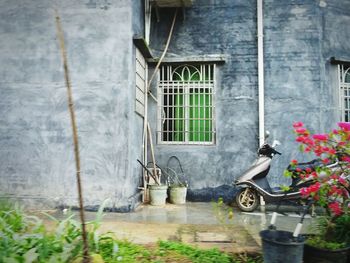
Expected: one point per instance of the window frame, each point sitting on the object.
(344, 91)
(209, 88)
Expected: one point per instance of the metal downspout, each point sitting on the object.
(261, 88)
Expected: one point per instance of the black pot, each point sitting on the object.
(280, 247)
(321, 255)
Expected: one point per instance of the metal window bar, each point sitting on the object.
(186, 112)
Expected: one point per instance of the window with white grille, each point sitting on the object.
(344, 92)
(186, 106)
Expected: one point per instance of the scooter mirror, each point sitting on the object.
(276, 143)
(267, 134)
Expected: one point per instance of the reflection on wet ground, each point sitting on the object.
(204, 224)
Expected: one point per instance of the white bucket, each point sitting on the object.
(178, 194)
(158, 194)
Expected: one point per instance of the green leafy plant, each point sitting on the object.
(222, 212)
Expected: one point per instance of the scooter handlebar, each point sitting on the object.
(276, 152)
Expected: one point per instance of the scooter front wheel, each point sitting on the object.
(247, 199)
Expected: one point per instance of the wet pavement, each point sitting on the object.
(202, 224)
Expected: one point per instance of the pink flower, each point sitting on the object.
(344, 125)
(335, 208)
(342, 181)
(300, 130)
(332, 151)
(320, 137)
(315, 187)
(334, 176)
(304, 192)
(298, 124)
(326, 161)
(334, 190)
(294, 162)
(300, 139)
(307, 149)
(346, 159)
(309, 141)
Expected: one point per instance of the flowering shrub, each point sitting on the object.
(330, 187)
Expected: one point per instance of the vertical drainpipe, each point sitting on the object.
(147, 20)
(261, 89)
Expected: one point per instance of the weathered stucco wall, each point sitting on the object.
(227, 28)
(36, 153)
(300, 85)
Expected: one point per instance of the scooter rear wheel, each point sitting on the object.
(247, 199)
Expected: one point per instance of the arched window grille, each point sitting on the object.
(344, 98)
(186, 107)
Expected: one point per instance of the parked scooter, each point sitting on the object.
(254, 182)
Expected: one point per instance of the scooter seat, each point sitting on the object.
(304, 166)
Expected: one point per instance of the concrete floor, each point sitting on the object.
(203, 224)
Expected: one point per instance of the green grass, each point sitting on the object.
(24, 239)
(194, 254)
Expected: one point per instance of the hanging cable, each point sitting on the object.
(162, 56)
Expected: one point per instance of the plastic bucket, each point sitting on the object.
(280, 247)
(177, 194)
(157, 194)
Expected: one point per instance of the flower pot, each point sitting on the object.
(313, 254)
(158, 194)
(177, 194)
(280, 247)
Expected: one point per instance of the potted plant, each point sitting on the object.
(330, 190)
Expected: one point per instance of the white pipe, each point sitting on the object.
(297, 230)
(273, 218)
(148, 11)
(261, 89)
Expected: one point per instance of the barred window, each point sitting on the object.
(344, 92)
(186, 104)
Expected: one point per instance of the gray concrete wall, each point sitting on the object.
(36, 152)
(301, 84)
(138, 9)
(299, 36)
(227, 28)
